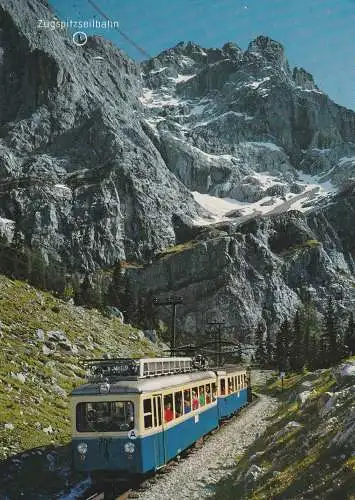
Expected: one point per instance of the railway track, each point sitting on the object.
(114, 492)
(111, 493)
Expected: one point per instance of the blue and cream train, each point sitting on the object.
(134, 416)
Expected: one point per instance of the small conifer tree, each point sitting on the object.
(281, 348)
(350, 335)
(260, 353)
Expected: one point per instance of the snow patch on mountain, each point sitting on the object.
(269, 145)
(222, 117)
(157, 71)
(312, 191)
(257, 83)
(182, 78)
(153, 99)
(223, 209)
(316, 91)
(346, 159)
(315, 181)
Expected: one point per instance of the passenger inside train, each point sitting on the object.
(194, 399)
(187, 401)
(168, 412)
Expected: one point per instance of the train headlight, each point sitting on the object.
(82, 448)
(129, 448)
(104, 388)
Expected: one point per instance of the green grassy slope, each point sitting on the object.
(308, 450)
(37, 371)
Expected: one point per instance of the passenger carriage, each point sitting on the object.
(134, 415)
(232, 390)
(122, 424)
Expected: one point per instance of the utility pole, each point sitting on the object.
(171, 301)
(218, 338)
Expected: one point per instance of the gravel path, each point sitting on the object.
(195, 477)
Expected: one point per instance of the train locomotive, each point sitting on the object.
(135, 415)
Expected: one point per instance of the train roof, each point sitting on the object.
(227, 369)
(141, 385)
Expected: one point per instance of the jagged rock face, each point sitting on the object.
(253, 272)
(250, 113)
(99, 158)
(80, 176)
(304, 79)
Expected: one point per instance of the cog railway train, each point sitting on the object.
(135, 415)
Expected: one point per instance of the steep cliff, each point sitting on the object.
(254, 271)
(78, 173)
(241, 160)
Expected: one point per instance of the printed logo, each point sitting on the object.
(132, 434)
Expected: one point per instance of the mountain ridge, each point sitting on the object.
(104, 160)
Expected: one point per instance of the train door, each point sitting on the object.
(159, 438)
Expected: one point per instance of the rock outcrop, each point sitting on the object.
(254, 271)
(79, 176)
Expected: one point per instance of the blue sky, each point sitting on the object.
(318, 35)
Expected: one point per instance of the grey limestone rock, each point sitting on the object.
(254, 272)
(99, 159)
(83, 179)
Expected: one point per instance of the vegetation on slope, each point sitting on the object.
(308, 450)
(181, 247)
(310, 340)
(42, 343)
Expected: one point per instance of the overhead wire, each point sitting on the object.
(123, 34)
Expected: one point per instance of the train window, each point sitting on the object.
(245, 379)
(148, 421)
(195, 402)
(214, 391)
(104, 416)
(202, 395)
(147, 406)
(187, 401)
(236, 383)
(223, 386)
(168, 408)
(230, 385)
(178, 404)
(148, 414)
(208, 394)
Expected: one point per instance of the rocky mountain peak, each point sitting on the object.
(304, 79)
(231, 49)
(187, 48)
(271, 50)
(267, 46)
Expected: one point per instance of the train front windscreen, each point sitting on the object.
(104, 416)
